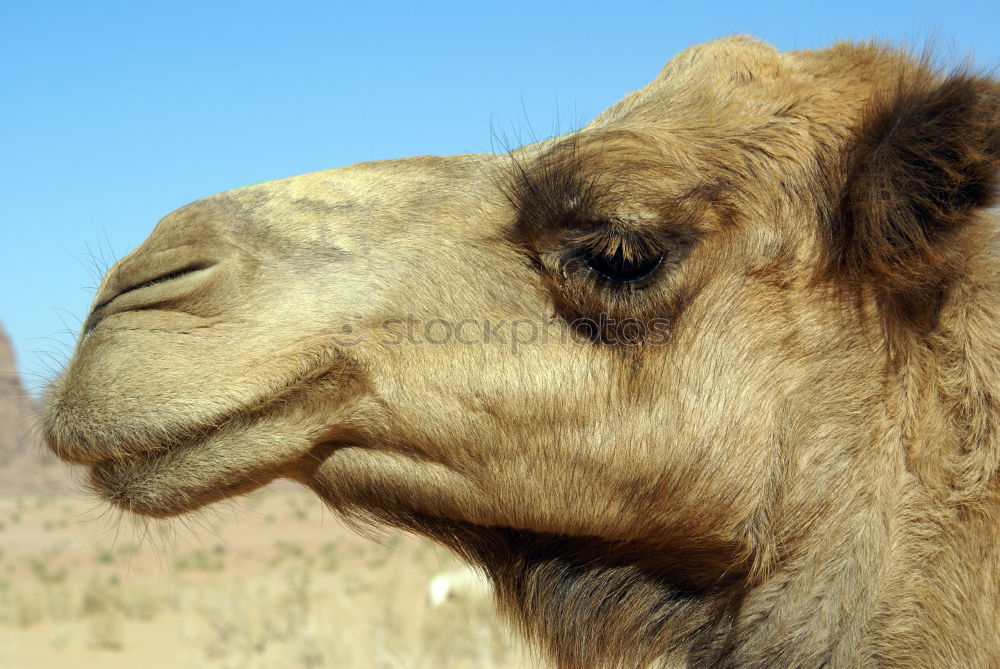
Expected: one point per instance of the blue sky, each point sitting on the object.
(114, 113)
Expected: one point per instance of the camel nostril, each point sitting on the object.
(163, 278)
(101, 308)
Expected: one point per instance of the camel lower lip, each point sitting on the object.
(129, 464)
(127, 481)
(132, 483)
(113, 479)
(95, 456)
(137, 457)
(184, 476)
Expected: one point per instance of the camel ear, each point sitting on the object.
(924, 159)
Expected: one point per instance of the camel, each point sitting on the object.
(713, 381)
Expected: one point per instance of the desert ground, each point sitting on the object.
(272, 579)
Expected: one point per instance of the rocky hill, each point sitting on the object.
(25, 464)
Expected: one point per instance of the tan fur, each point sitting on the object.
(792, 462)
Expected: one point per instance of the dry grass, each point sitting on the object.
(276, 582)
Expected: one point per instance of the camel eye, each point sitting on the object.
(621, 270)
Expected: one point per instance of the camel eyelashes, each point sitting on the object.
(616, 255)
(619, 269)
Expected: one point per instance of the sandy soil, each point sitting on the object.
(272, 580)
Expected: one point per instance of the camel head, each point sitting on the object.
(681, 345)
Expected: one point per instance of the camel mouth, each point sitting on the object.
(145, 484)
(106, 481)
(67, 436)
(162, 464)
(172, 479)
(128, 480)
(106, 478)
